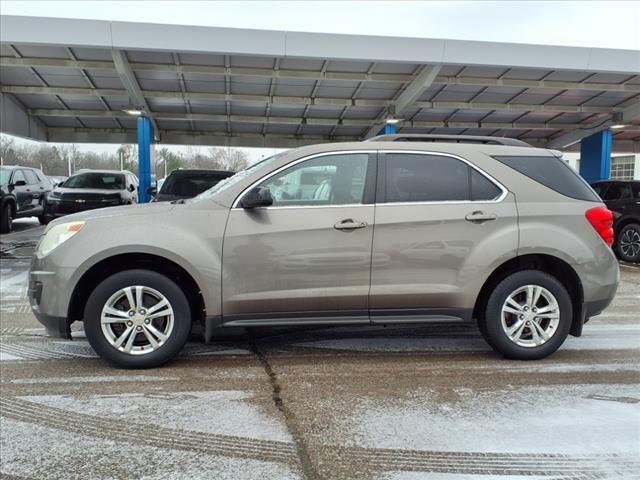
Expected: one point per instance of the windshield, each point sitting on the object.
(5, 173)
(190, 184)
(242, 174)
(96, 180)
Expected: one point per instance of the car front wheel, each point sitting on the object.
(628, 243)
(528, 316)
(137, 319)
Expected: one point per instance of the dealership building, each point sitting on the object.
(69, 80)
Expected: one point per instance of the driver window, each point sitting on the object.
(327, 180)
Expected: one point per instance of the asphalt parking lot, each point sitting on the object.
(398, 403)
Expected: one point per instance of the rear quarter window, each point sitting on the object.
(553, 173)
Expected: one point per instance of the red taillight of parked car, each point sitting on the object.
(601, 219)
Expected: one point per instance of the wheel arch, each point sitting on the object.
(129, 261)
(624, 221)
(550, 264)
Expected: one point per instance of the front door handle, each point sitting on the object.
(480, 217)
(349, 224)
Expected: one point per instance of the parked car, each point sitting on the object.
(183, 184)
(622, 197)
(22, 194)
(527, 243)
(91, 189)
(56, 180)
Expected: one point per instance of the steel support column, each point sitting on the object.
(595, 156)
(145, 154)
(389, 129)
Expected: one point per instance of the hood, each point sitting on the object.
(87, 191)
(123, 211)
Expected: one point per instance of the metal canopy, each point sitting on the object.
(64, 80)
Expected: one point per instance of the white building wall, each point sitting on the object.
(573, 159)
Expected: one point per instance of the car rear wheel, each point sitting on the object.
(527, 316)
(6, 218)
(137, 319)
(628, 243)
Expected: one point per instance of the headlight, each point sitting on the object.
(56, 236)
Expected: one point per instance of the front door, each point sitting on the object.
(306, 258)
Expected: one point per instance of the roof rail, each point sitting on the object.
(416, 137)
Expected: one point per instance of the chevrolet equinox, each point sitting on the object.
(397, 229)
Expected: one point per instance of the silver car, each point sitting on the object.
(399, 229)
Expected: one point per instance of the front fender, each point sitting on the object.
(190, 237)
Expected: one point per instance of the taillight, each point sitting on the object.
(601, 219)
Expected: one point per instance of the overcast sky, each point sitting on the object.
(606, 24)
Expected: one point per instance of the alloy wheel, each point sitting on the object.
(137, 320)
(630, 243)
(530, 316)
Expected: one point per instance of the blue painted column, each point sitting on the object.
(389, 129)
(145, 153)
(595, 156)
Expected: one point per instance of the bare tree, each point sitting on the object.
(228, 159)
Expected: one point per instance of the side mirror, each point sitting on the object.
(19, 183)
(131, 188)
(152, 190)
(257, 197)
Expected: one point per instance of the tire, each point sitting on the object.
(528, 342)
(6, 218)
(44, 219)
(139, 353)
(628, 243)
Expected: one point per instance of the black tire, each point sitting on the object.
(44, 219)
(490, 322)
(628, 243)
(6, 218)
(167, 351)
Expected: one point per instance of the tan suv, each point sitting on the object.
(400, 229)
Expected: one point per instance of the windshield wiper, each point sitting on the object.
(180, 201)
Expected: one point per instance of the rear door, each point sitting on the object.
(439, 223)
(306, 258)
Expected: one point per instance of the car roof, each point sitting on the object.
(616, 180)
(90, 170)
(13, 167)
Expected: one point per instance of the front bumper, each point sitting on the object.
(50, 286)
(56, 326)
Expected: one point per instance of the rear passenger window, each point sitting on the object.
(425, 178)
(553, 173)
(483, 189)
(618, 191)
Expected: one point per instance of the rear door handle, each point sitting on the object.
(480, 217)
(349, 224)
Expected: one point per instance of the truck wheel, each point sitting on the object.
(6, 218)
(137, 319)
(628, 243)
(527, 316)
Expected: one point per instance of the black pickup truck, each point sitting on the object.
(622, 197)
(22, 194)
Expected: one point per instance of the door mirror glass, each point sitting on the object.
(131, 188)
(257, 197)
